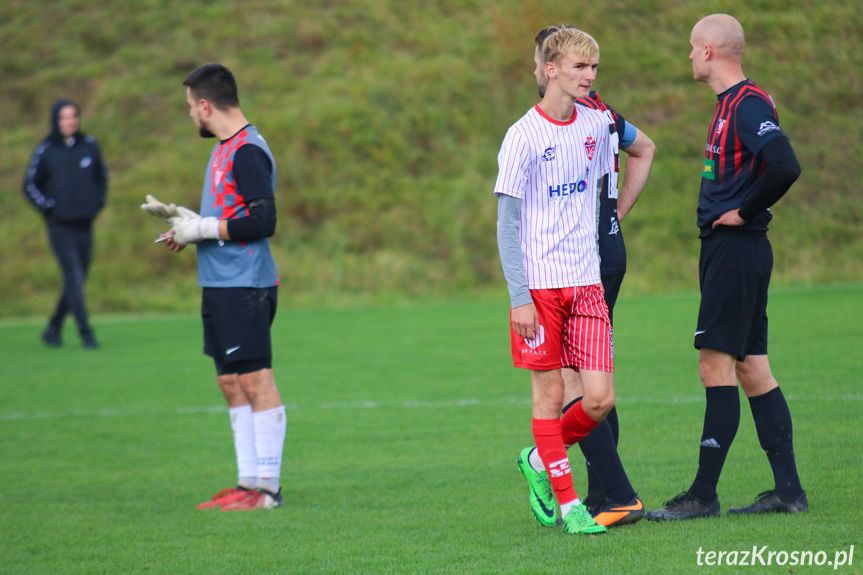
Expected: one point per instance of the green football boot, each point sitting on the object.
(541, 495)
(579, 522)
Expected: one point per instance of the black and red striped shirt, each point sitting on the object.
(745, 120)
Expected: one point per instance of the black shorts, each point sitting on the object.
(237, 327)
(611, 286)
(734, 272)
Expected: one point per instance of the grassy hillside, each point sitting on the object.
(386, 117)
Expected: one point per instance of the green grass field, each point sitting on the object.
(404, 424)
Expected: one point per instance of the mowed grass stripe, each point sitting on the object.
(370, 404)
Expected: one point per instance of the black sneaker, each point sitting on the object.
(593, 502)
(88, 340)
(685, 506)
(611, 514)
(51, 337)
(772, 502)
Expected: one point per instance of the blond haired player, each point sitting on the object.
(611, 498)
(549, 165)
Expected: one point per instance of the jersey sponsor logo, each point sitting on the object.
(563, 191)
(533, 352)
(709, 169)
(86, 162)
(720, 125)
(590, 147)
(766, 127)
(548, 154)
(713, 149)
(538, 340)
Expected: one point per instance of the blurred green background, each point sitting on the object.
(386, 118)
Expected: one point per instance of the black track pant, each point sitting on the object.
(73, 246)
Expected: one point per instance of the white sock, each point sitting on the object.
(535, 461)
(270, 428)
(243, 426)
(565, 507)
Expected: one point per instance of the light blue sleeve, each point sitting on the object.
(629, 133)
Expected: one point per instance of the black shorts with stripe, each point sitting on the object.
(237, 325)
(734, 273)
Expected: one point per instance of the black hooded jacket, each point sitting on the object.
(67, 181)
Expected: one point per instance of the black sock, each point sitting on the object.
(596, 491)
(605, 474)
(773, 424)
(611, 418)
(601, 453)
(721, 419)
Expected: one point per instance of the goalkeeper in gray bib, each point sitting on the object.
(238, 275)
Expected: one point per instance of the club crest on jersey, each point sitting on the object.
(720, 125)
(590, 147)
(548, 154)
(766, 127)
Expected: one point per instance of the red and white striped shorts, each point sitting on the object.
(574, 331)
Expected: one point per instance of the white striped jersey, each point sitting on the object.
(553, 167)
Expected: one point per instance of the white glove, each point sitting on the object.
(193, 229)
(159, 209)
(185, 213)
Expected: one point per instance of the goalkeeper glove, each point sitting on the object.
(193, 229)
(159, 209)
(186, 213)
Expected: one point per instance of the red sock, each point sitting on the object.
(546, 433)
(576, 425)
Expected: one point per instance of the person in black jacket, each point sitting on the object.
(67, 181)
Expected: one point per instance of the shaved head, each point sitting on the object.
(723, 32)
(717, 51)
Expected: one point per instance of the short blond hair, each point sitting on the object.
(565, 39)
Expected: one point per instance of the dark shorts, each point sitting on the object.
(237, 327)
(611, 286)
(734, 272)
